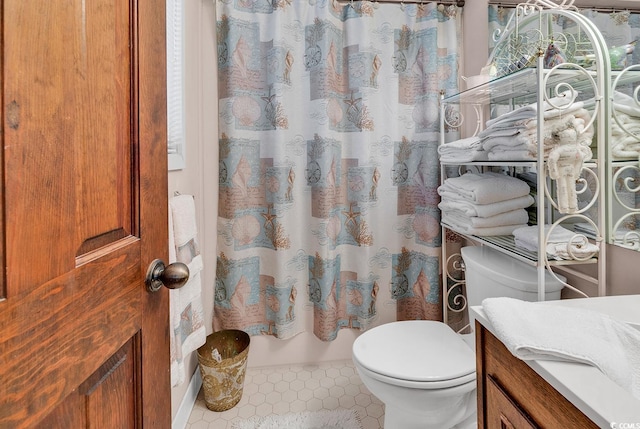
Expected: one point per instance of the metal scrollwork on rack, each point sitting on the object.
(626, 231)
(455, 299)
(453, 118)
(521, 42)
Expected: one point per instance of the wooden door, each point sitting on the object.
(84, 211)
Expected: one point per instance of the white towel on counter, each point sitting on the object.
(560, 244)
(486, 210)
(542, 331)
(188, 331)
(484, 188)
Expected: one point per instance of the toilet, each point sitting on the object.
(422, 370)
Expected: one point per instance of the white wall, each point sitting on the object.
(200, 178)
(200, 175)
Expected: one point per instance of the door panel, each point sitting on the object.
(107, 397)
(82, 342)
(69, 146)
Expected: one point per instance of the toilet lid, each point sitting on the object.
(416, 350)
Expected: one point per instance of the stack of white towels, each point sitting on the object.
(625, 127)
(512, 136)
(561, 243)
(484, 204)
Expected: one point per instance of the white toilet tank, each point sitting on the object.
(489, 273)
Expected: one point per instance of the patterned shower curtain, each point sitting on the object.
(329, 125)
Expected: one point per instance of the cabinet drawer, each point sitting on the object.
(502, 411)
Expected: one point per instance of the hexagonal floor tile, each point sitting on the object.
(296, 388)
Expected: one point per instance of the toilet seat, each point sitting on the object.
(417, 353)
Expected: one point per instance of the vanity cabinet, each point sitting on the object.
(512, 395)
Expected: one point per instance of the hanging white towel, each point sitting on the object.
(539, 331)
(187, 316)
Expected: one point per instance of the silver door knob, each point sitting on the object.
(172, 276)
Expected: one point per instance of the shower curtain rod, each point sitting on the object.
(459, 3)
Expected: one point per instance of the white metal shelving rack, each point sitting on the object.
(585, 74)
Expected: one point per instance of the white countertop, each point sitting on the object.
(593, 393)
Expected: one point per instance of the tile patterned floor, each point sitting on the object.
(290, 389)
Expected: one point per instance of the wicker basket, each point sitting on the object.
(223, 381)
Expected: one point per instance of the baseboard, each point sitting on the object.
(188, 401)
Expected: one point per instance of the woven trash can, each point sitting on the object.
(223, 381)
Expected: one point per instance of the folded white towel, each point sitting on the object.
(464, 144)
(625, 136)
(463, 150)
(542, 331)
(561, 243)
(486, 210)
(484, 188)
(513, 217)
(558, 105)
(625, 104)
(503, 131)
(519, 114)
(464, 156)
(480, 231)
(528, 237)
(625, 148)
(518, 141)
(553, 119)
(511, 155)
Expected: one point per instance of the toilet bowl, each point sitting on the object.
(422, 370)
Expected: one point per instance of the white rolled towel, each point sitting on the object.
(561, 243)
